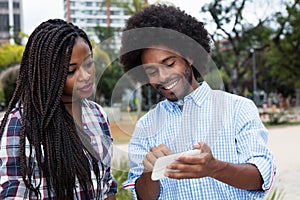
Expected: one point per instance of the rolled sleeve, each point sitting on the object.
(267, 169)
(129, 184)
(252, 147)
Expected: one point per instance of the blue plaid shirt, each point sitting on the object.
(228, 123)
(95, 124)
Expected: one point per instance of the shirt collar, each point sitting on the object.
(197, 96)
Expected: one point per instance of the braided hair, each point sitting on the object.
(49, 128)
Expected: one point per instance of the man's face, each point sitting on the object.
(168, 73)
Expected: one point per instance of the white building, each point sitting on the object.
(11, 17)
(88, 14)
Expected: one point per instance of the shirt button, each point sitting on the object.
(93, 142)
(180, 102)
(84, 127)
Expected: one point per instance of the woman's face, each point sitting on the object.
(81, 73)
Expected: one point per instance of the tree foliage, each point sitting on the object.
(108, 69)
(275, 37)
(10, 55)
(111, 75)
(283, 54)
(240, 36)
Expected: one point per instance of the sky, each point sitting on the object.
(37, 11)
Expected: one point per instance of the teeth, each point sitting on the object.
(171, 86)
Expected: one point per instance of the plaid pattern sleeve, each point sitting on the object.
(95, 124)
(12, 185)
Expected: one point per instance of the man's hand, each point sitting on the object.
(153, 155)
(196, 166)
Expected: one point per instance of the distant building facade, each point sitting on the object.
(11, 19)
(88, 14)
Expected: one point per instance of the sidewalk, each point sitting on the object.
(284, 144)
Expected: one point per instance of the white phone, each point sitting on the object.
(161, 163)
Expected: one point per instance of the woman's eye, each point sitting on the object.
(89, 64)
(71, 72)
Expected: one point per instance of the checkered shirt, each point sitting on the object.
(95, 124)
(228, 123)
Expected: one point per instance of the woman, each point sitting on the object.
(55, 143)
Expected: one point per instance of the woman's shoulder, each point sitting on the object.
(91, 104)
(13, 122)
(13, 114)
(94, 106)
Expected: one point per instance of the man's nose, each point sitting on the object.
(164, 74)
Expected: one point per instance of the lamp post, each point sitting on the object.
(252, 50)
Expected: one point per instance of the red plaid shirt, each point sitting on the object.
(95, 124)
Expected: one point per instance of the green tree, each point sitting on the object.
(284, 51)
(233, 29)
(109, 71)
(113, 74)
(131, 8)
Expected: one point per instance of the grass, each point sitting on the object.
(122, 130)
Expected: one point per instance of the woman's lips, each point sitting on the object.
(87, 88)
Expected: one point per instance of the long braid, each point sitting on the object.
(46, 124)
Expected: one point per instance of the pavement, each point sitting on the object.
(284, 144)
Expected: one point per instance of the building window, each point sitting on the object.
(89, 4)
(4, 23)
(16, 5)
(17, 24)
(115, 21)
(89, 12)
(4, 5)
(90, 21)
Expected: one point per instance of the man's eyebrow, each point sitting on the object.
(167, 58)
(87, 57)
(148, 67)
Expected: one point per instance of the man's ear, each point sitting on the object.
(190, 61)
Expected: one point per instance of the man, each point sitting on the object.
(164, 47)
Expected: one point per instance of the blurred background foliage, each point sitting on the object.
(273, 40)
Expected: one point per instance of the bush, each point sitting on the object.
(8, 80)
(120, 174)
